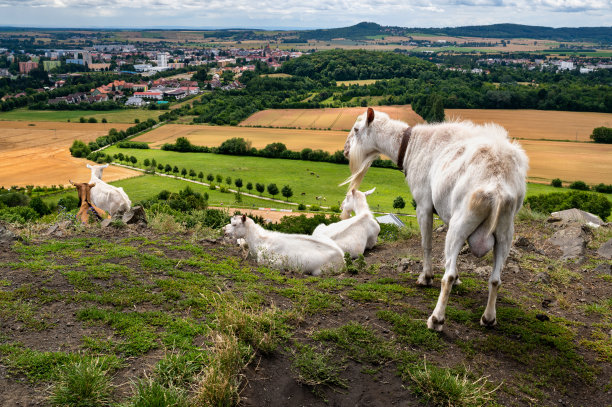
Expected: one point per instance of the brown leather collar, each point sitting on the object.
(403, 146)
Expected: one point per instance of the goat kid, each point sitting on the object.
(112, 199)
(307, 253)
(472, 175)
(353, 234)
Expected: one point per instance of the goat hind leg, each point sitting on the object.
(425, 219)
(458, 231)
(503, 241)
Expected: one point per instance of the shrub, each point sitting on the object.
(79, 149)
(556, 183)
(18, 214)
(558, 201)
(92, 120)
(301, 224)
(68, 202)
(399, 203)
(301, 207)
(602, 135)
(603, 188)
(15, 198)
(315, 208)
(133, 144)
(83, 383)
(579, 185)
(39, 206)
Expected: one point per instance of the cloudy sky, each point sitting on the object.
(301, 13)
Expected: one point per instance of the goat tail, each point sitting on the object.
(489, 204)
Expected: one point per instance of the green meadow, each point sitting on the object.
(112, 116)
(311, 178)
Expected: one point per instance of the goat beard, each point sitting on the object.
(359, 163)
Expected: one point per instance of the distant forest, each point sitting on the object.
(364, 30)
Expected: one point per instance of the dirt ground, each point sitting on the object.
(327, 118)
(537, 124)
(37, 153)
(270, 380)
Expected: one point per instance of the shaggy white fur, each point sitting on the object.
(109, 198)
(473, 176)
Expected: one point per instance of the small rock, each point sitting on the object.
(542, 277)
(605, 250)
(524, 244)
(135, 215)
(106, 222)
(549, 302)
(404, 265)
(6, 236)
(441, 229)
(484, 271)
(542, 317)
(605, 268)
(512, 268)
(571, 240)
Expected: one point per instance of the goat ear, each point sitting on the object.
(88, 166)
(353, 191)
(370, 116)
(92, 185)
(366, 193)
(71, 181)
(243, 218)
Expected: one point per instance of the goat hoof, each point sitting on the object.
(435, 324)
(425, 281)
(485, 322)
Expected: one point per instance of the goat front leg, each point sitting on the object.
(425, 219)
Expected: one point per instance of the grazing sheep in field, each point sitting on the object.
(353, 234)
(471, 175)
(307, 253)
(107, 197)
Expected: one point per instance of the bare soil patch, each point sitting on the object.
(37, 153)
(537, 124)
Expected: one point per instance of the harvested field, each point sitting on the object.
(538, 124)
(359, 82)
(39, 155)
(260, 137)
(588, 162)
(328, 118)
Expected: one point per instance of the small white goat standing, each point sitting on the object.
(107, 197)
(307, 253)
(353, 234)
(472, 176)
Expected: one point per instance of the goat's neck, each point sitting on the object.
(388, 139)
(254, 233)
(361, 207)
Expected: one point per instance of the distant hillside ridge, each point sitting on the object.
(364, 30)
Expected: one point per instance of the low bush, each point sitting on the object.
(558, 201)
(603, 188)
(579, 185)
(556, 183)
(301, 224)
(133, 144)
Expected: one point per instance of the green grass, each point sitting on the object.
(389, 183)
(112, 116)
(317, 368)
(83, 383)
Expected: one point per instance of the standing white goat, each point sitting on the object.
(472, 176)
(353, 234)
(107, 197)
(308, 253)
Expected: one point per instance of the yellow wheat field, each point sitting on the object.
(213, 136)
(327, 118)
(37, 153)
(537, 124)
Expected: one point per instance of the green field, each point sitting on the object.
(147, 186)
(297, 174)
(112, 116)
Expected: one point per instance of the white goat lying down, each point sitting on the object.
(307, 253)
(107, 197)
(473, 176)
(353, 234)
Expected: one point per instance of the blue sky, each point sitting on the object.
(301, 14)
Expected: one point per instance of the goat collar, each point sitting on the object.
(402, 151)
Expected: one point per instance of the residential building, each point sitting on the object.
(26, 67)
